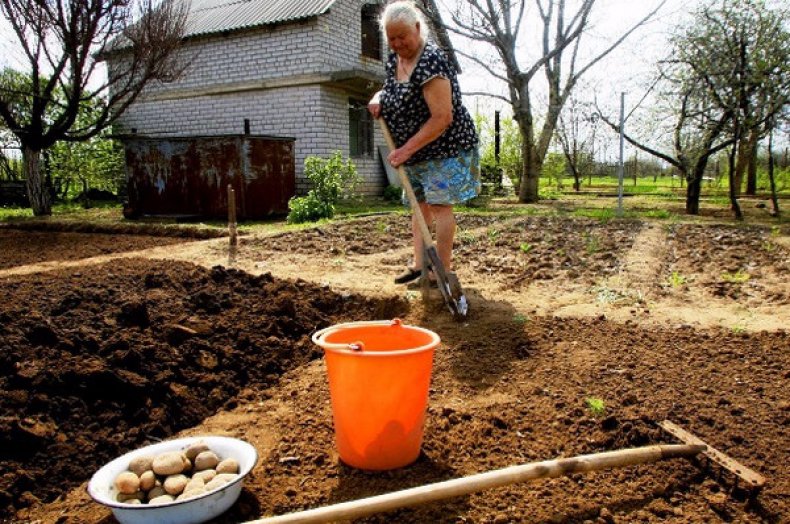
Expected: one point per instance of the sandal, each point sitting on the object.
(417, 284)
(408, 275)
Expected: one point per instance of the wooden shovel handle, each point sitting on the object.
(404, 180)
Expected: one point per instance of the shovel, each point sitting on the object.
(447, 282)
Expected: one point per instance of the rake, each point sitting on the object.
(691, 447)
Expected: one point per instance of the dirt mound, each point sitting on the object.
(545, 366)
(134, 351)
(20, 247)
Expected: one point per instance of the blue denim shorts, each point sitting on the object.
(446, 181)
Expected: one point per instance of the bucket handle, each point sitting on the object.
(353, 346)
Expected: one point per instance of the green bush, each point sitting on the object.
(331, 179)
(392, 194)
(308, 209)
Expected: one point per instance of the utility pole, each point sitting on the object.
(620, 166)
(497, 140)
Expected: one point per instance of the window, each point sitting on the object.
(371, 36)
(360, 129)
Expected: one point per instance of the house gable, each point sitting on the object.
(296, 79)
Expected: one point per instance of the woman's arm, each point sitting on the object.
(438, 95)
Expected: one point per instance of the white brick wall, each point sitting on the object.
(316, 115)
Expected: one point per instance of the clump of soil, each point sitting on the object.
(122, 354)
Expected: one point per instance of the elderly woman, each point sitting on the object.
(433, 131)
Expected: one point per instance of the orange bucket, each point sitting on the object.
(379, 374)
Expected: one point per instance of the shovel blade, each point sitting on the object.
(448, 285)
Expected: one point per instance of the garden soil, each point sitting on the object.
(108, 347)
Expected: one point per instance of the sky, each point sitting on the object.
(627, 69)
(609, 17)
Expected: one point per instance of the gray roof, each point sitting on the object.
(216, 16)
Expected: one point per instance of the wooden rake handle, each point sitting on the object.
(492, 479)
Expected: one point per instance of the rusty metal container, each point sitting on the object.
(189, 176)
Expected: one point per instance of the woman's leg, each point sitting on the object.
(445, 233)
(419, 247)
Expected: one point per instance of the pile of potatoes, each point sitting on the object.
(174, 475)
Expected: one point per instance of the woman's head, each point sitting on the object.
(404, 26)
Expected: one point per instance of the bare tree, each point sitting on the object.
(576, 137)
(697, 133)
(63, 43)
(727, 78)
(500, 24)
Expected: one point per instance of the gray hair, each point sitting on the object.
(405, 11)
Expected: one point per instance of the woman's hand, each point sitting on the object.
(399, 156)
(374, 106)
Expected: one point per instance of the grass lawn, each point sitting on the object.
(646, 201)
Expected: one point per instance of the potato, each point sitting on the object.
(174, 484)
(229, 465)
(162, 499)
(139, 465)
(134, 501)
(169, 463)
(226, 477)
(190, 494)
(130, 498)
(206, 475)
(156, 491)
(195, 483)
(127, 483)
(206, 460)
(220, 480)
(187, 464)
(196, 449)
(147, 480)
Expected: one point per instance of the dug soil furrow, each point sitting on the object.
(578, 341)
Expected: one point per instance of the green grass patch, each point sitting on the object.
(526, 247)
(603, 215)
(596, 406)
(661, 214)
(739, 277)
(676, 280)
(520, 318)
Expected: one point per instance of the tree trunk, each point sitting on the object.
(747, 147)
(37, 191)
(528, 189)
(694, 184)
(736, 208)
(528, 192)
(692, 194)
(751, 178)
(774, 200)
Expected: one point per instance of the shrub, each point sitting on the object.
(392, 194)
(331, 179)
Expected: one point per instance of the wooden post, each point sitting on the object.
(234, 240)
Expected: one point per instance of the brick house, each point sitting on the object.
(303, 69)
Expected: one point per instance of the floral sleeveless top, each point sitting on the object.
(404, 109)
